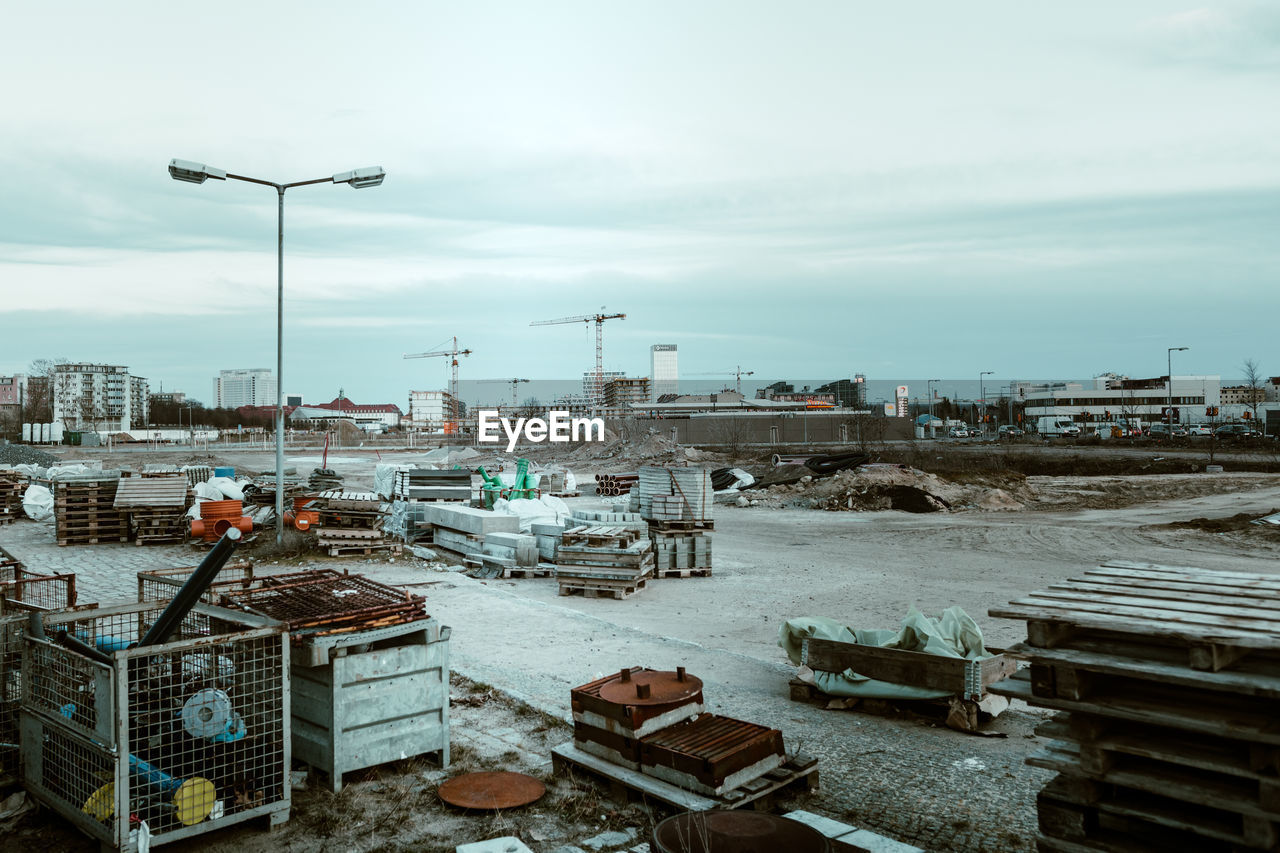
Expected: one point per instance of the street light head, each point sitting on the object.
(194, 173)
(370, 176)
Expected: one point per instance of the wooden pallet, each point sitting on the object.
(393, 548)
(601, 588)
(1079, 810)
(682, 573)
(92, 540)
(600, 536)
(686, 526)
(542, 571)
(963, 715)
(799, 775)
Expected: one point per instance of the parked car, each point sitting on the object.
(1230, 431)
(1200, 429)
(1008, 431)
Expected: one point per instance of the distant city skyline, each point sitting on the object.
(1037, 189)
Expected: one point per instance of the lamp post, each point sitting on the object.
(1168, 410)
(929, 384)
(198, 173)
(982, 392)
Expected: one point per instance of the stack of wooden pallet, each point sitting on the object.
(351, 523)
(156, 506)
(12, 485)
(425, 484)
(84, 510)
(1169, 680)
(603, 560)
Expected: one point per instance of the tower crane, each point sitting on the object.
(515, 383)
(737, 373)
(598, 319)
(453, 353)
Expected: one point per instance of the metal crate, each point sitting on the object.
(163, 584)
(189, 736)
(375, 696)
(21, 591)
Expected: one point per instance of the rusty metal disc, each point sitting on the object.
(493, 789)
(735, 832)
(663, 688)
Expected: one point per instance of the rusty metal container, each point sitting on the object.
(735, 832)
(711, 754)
(611, 714)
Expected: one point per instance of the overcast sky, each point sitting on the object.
(808, 190)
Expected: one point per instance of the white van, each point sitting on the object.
(1053, 426)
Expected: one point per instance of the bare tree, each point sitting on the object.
(732, 433)
(37, 402)
(1253, 380)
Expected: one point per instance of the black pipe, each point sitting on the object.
(189, 595)
(90, 651)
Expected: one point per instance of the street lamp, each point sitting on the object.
(1168, 410)
(982, 392)
(198, 173)
(929, 384)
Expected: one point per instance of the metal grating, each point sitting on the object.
(324, 601)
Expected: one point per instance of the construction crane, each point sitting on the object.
(452, 353)
(737, 373)
(514, 384)
(598, 319)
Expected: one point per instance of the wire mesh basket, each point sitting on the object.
(187, 736)
(21, 591)
(163, 584)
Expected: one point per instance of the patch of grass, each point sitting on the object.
(295, 545)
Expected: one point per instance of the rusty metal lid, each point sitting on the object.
(651, 687)
(735, 832)
(492, 789)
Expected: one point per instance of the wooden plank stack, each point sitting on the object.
(156, 506)
(12, 485)
(601, 560)
(1169, 683)
(425, 484)
(351, 523)
(84, 511)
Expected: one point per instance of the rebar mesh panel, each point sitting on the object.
(314, 601)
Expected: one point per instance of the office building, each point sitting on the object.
(664, 370)
(246, 387)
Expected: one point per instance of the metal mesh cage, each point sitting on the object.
(163, 584)
(195, 729)
(21, 591)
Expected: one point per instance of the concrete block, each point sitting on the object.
(546, 529)
(479, 522)
(828, 827)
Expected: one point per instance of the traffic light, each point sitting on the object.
(1211, 411)
(1107, 414)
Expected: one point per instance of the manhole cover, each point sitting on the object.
(651, 687)
(494, 789)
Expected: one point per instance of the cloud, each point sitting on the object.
(1235, 37)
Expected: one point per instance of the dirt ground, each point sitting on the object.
(780, 559)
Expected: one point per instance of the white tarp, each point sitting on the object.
(953, 634)
(545, 510)
(37, 503)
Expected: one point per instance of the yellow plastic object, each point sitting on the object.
(194, 800)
